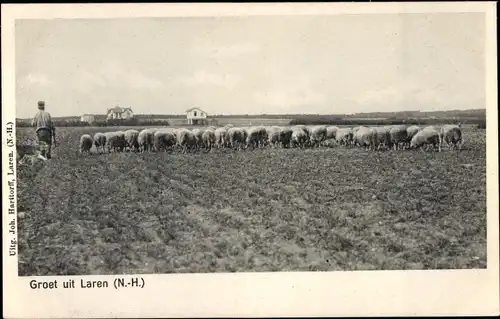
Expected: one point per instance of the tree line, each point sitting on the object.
(304, 120)
(327, 120)
(100, 123)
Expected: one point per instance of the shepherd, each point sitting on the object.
(45, 130)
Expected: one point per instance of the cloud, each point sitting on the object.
(207, 78)
(36, 79)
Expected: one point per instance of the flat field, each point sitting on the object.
(264, 210)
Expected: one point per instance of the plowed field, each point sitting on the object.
(263, 210)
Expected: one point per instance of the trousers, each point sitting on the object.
(45, 141)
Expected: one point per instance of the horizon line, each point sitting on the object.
(283, 114)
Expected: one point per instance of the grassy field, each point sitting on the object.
(263, 210)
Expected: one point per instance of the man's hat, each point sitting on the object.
(41, 103)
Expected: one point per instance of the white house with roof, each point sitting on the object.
(196, 116)
(122, 113)
(89, 118)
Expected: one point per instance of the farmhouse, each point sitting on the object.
(196, 116)
(89, 118)
(119, 113)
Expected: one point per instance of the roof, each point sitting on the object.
(118, 109)
(194, 108)
(87, 115)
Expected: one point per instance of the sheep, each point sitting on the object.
(121, 140)
(383, 136)
(115, 141)
(257, 137)
(412, 130)
(264, 136)
(399, 136)
(208, 138)
(163, 140)
(318, 135)
(131, 139)
(306, 131)
(273, 136)
(331, 132)
(428, 136)
(228, 126)
(100, 141)
(286, 137)
(86, 143)
(344, 136)
(198, 133)
(366, 136)
(452, 134)
(221, 137)
(299, 138)
(252, 138)
(145, 140)
(237, 137)
(186, 140)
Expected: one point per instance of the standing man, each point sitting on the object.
(45, 129)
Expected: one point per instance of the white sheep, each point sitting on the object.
(100, 141)
(131, 139)
(237, 137)
(145, 140)
(383, 136)
(115, 141)
(411, 131)
(344, 136)
(186, 140)
(164, 140)
(331, 132)
(318, 135)
(208, 138)
(273, 136)
(366, 136)
(198, 133)
(221, 137)
(299, 137)
(427, 136)
(452, 134)
(399, 136)
(257, 137)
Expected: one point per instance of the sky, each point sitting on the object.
(325, 64)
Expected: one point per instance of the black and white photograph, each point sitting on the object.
(271, 143)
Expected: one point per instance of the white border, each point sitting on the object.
(456, 292)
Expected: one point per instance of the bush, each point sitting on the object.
(70, 123)
(154, 123)
(22, 123)
(482, 125)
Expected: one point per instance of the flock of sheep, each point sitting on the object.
(162, 139)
